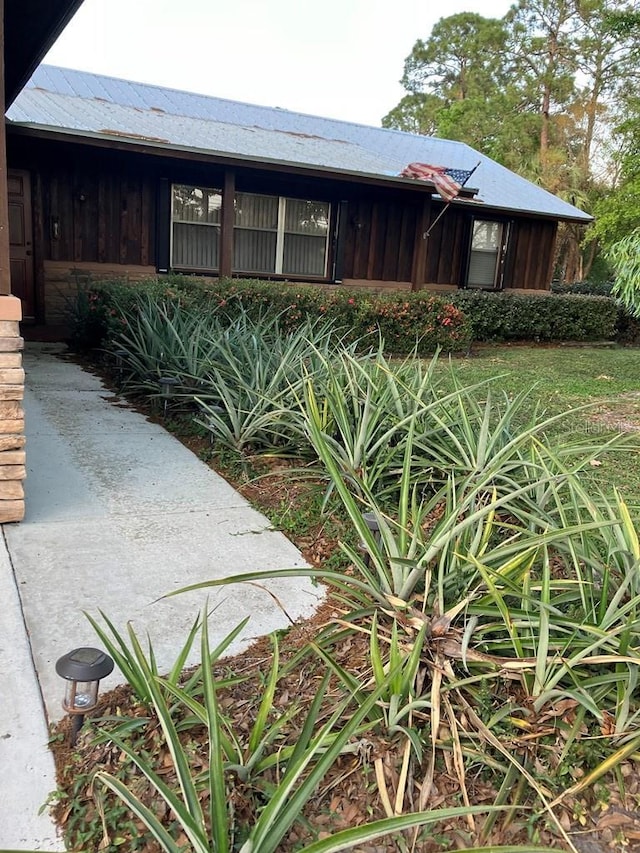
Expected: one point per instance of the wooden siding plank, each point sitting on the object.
(551, 237)
(102, 223)
(406, 241)
(421, 246)
(134, 204)
(433, 248)
(89, 210)
(163, 224)
(373, 240)
(447, 245)
(65, 211)
(227, 221)
(38, 244)
(341, 214)
(390, 244)
(350, 235)
(531, 257)
(362, 226)
(146, 223)
(76, 216)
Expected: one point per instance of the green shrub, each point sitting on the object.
(627, 330)
(103, 308)
(584, 288)
(403, 320)
(533, 317)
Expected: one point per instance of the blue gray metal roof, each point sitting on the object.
(59, 99)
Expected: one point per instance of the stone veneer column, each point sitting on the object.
(12, 440)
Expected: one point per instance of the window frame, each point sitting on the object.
(281, 232)
(500, 254)
(215, 225)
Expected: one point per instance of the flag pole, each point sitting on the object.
(427, 233)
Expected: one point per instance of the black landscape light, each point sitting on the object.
(119, 356)
(82, 669)
(168, 385)
(371, 520)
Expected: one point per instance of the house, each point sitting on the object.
(28, 28)
(117, 178)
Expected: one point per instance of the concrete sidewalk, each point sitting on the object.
(119, 513)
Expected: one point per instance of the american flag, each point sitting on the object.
(448, 182)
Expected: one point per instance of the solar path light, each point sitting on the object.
(119, 356)
(371, 520)
(83, 670)
(168, 385)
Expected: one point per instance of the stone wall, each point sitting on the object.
(12, 439)
(63, 280)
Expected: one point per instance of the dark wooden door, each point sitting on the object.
(21, 240)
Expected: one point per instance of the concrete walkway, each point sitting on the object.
(119, 513)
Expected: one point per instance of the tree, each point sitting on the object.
(451, 78)
(540, 91)
(461, 59)
(543, 55)
(618, 210)
(624, 256)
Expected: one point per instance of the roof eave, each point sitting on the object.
(31, 28)
(167, 149)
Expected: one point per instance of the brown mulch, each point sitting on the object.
(349, 795)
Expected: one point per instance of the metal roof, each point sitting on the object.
(59, 99)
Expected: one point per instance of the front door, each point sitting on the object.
(21, 240)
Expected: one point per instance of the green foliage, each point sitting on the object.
(497, 586)
(253, 375)
(618, 213)
(625, 258)
(583, 288)
(127, 656)
(103, 308)
(518, 316)
(542, 91)
(403, 320)
(627, 329)
(199, 802)
(490, 557)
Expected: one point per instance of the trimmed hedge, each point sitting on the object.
(583, 288)
(532, 317)
(627, 326)
(403, 320)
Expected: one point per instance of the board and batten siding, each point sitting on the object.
(379, 240)
(105, 218)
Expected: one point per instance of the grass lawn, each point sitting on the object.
(563, 378)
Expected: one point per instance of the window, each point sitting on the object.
(284, 236)
(271, 234)
(195, 227)
(488, 243)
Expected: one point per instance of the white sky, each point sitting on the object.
(336, 58)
